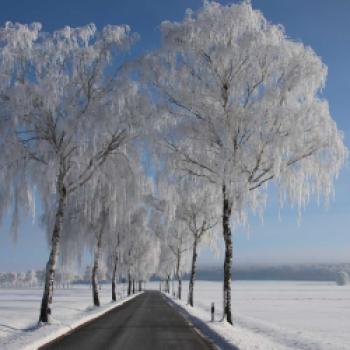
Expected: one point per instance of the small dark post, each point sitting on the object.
(212, 310)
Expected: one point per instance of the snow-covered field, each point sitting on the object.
(279, 315)
(267, 315)
(19, 312)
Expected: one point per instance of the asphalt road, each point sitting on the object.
(146, 322)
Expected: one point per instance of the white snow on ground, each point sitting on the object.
(267, 315)
(19, 312)
(277, 315)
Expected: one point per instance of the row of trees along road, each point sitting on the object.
(142, 161)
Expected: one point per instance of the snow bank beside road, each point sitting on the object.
(278, 315)
(71, 308)
(222, 334)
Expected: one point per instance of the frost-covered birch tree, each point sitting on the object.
(245, 107)
(70, 108)
(165, 269)
(105, 202)
(134, 245)
(16, 41)
(130, 244)
(178, 245)
(198, 209)
(171, 229)
(102, 215)
(98, 223)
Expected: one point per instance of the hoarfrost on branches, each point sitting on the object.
(234, 102)
(244, 106)
(68, 107)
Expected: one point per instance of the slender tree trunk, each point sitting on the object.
(168, 284)
(45, 310)
(94, 277)
(129, 284)
(133, 286)
(179, 287)
(172, 283)
(114, 275)
(227, 208)
(193, 270)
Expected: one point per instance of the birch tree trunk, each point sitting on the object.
(227, 208)
(45, 310)
(179, 288)
(114, 275)
(129, 284)
(173, 284)
(168, 284)
(94, 278)
(193, 270)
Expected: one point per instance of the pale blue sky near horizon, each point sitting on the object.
(323, 233)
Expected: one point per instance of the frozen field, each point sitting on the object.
(19, 312)
(267, 315)
(281, 315)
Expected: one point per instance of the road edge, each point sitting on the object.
(189, 318)
(77, 324)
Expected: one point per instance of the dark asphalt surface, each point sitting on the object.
(146, 322)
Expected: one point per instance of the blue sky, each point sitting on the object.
(323, 234)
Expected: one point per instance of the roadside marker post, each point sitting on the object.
(212, 309)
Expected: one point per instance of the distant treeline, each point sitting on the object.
(307, 272)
